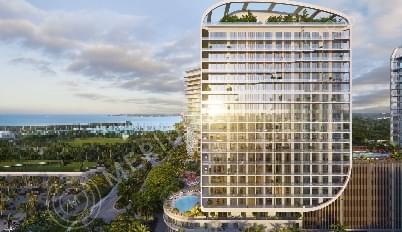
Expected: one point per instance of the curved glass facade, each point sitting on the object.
(396, 104)
(275, 112)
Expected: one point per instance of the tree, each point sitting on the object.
(255, 228)
(366, 129)
(3, 203)
(163, 180)
(142, 228)
(338, 228)
(249, 17)
(126, 223)
(31, 204)
(42, 222)
(395, 151)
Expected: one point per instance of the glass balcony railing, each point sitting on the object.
(263, 163)
(273, 70)
(273, 49)
(284, 38)
(222, 184)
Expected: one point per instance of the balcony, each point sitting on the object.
(229, 173)
(273, 70)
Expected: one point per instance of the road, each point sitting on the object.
(105, 209)
(159, 224)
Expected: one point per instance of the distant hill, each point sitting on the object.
(368, 127)
(372, 115)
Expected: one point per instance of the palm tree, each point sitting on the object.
(31, 204)
(394, 151)
(141, 228)
(255, 228)
(3, 203)
(338, 228)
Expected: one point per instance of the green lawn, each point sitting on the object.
(96, 140)
(50, 166)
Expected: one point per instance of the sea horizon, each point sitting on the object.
(76, 119)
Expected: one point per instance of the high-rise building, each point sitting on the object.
(372, 200)
(275, 107)
(396, 104)
(192, 115)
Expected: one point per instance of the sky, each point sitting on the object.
(129, 56)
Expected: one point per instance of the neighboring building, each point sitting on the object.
(7, 135)
(372, 200)
(276, 108)
(396, 104)
(192, 115)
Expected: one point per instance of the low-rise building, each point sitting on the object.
(372, 200)
(6, 135)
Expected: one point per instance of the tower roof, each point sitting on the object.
(282, 7)
(397, 53)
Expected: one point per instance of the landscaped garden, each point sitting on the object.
(305, 17)
(248, 18)
(96, 140)
(45, 166)
(141, 193)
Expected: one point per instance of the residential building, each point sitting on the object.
(7, 135)
(275, 107)
(192, 115)
(396, 104)
(372, 200)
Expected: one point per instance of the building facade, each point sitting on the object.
(7, 135)
(275, 107)
(396, 103)
(372, 200)
(192, 115)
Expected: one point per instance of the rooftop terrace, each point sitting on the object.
(270, 12)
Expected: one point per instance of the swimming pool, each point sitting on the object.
(186, 203)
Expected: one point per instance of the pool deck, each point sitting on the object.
(169, 204)
(180, 199)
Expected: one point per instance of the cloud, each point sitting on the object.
(111, 61)
(377, 77)
(114, 52)
(160, 84)
(100, 45)
(132, 54)
(140, 100)
(40, 65)
(377, 30)
(31, 36)
(151, 104)
(373, 102)
(94, 97)
(18, 9)
(371, 91)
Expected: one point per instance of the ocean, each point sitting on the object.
(61, 119)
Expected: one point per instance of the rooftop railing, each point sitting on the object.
(274, 23)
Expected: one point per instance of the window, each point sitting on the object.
(218, 35)
(242, 35)
(251, 35)
(260, 35)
